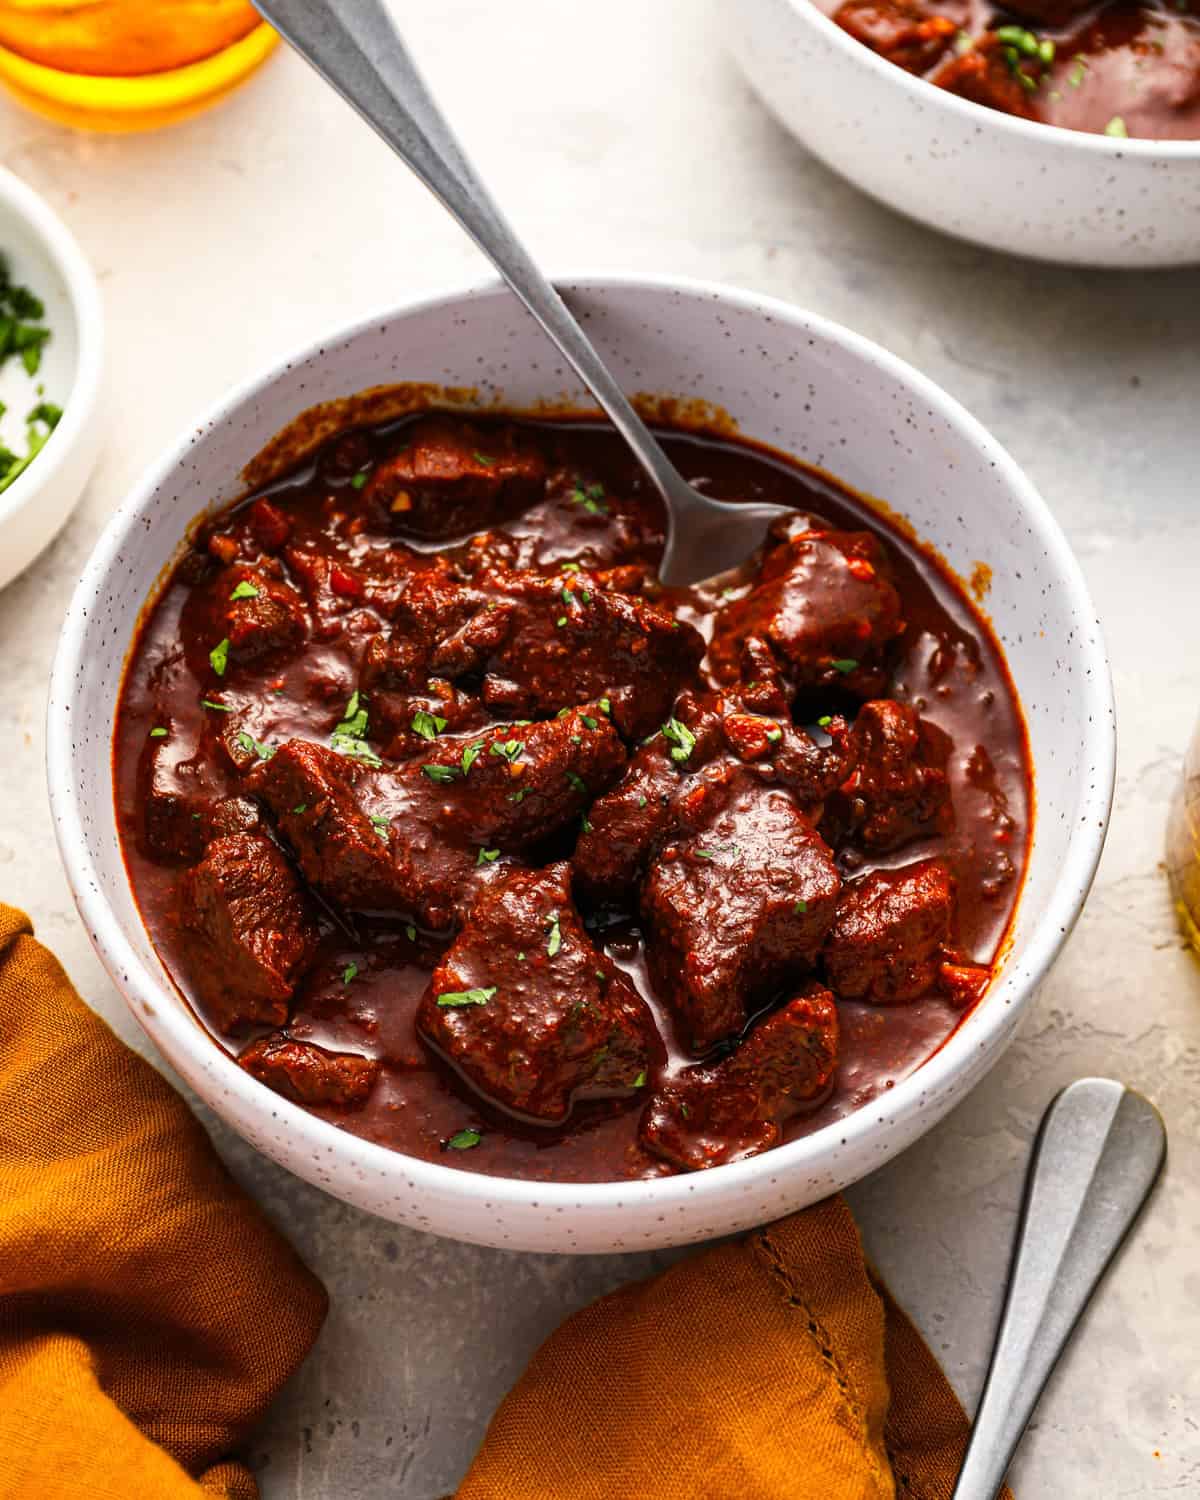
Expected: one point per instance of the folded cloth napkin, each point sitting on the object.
(148, 1314)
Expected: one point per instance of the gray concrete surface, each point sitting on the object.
(621, 137)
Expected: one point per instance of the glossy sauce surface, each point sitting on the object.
(362, 993)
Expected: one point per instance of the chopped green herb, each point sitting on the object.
(380, 824)
(348, 737)
(158, 732)
(452, 999)
(470, 755)
(569, 567)
(519, 796)
(463, 1140)
(509, 750)
(586, 823)
(604, 705)
(410, 932)
(561, 621)
(568, 598)
(705, 854)
(521, 956)
(774, 734)
(641, 801)
(222, 708)
(427, 725)
(484, 459)
(1078, 72)
(487, 856)
(244, 590)
(359, 480)
(844, 664)
(555, 939)
(1117, 127)
(825, 721)
(640, 1081)
(300, 807)
(219, 657)
(589, 721)
(681, 737)
(686, 1111)
(591, 498)
(349, 972)
(800, 908)
(441, 774)
(577, 781)
(254, 747)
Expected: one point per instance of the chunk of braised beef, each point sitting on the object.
(256, 611)
(447, 477)
(248, 928)
(898, 789)
(887, 938)
(269, 525)
(707, 1116)
(906, 33)
(309, 1074)
(987, 74)
(571, 642)
(182, 802)
(528, 1011)
(316, 796)
(826, 607)
(736, 903)
(624, 824)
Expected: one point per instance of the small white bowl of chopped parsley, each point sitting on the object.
(51, 354)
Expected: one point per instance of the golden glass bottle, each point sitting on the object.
(123, 65)
(1183, 844)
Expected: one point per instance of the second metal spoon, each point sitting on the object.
(356, 48)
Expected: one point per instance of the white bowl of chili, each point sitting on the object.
(783, 377)
(1003, 182)
(52, 337)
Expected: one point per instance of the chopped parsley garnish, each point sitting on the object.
(470, 755)
(380, 824)
(589, 721)
(844, 664)
(452, 999)
(1078, 72)
(705, 854)
(641, 801)
(577, 782)
(359, 480)
(509, 750)
(410, 932)
(254, 747)
(561, 621)
(348, 736)
(680, 737)
(604, 705)
(244, 590)
(568, 598)
(521, 795)
(158, 732)
(487, 856)
(1117, 127)
(463, 1140)
(349, 972)
(219, 657)
(825, 721)
(585, 823)
(569, 567)
(427, 725)
(800, 908)
(640, 1081)
(554, 942)
(585, 596)
(221, 708)
(300, 807)
(591, 497)
(441, 774)
(22, 331)
(774, 734)
(484, 459)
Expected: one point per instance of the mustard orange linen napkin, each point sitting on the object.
(774, 1369)
(148, 1312)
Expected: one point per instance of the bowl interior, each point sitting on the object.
(34, 264)
(786, 378)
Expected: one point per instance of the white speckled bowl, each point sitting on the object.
(790, 379)
(1005, 183)
(44, 256)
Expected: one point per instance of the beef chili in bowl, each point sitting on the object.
(517, 897)
(460, 830)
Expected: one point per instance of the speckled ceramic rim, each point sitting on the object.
(891, 76)
(174, 1030)
(80, 282)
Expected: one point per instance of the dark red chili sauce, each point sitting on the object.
(1114, 68)
(460, 830)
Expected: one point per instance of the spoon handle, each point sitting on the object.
(355, 47)
(1099, 1151)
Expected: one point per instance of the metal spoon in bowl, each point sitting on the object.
(1098, 1154)
(356, 48)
